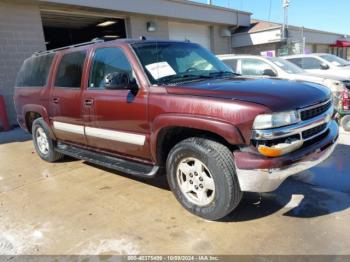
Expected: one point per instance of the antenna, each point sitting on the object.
(285, 22)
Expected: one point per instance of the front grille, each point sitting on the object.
(314, 131)
(315, 111)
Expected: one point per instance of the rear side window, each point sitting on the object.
(232, 63)
(35, 71)
(70, 70)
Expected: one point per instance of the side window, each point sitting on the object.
(34, 71)
(232, 63)
(311, 63)
(70, 70)
(254, 67)
(296, 61)
(108, 60)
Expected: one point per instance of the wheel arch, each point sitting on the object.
(168, 130)
(32, 112)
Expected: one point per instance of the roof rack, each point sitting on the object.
(93, 41)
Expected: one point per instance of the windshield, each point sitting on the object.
(335, 60)
(286, 66)
(171, 62)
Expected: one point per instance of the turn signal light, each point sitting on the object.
(279, 149)
(269, 151)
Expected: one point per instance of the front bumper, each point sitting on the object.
(257, 173)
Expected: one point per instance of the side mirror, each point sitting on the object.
(324, 66)
(269, 72)
(117, 80)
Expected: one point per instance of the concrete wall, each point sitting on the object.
(179, 9)
(219, 45)
(136, 27)
(21, 34)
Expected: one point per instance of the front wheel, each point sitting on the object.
(201, 174)
(345, 123)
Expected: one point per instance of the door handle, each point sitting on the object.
(88, 102)
(55, 100)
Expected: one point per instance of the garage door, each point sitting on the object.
(195, 33)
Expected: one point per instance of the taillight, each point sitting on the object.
(345, 99)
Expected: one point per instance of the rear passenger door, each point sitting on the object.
(118, 120)
(66, 98)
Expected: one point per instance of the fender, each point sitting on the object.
(226, 130)
(41, 110)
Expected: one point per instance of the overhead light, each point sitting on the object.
(151, 26)
(106, 23)
(111, 36)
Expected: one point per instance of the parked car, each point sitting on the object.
(259, 66)
(322, 64)
(138, 106)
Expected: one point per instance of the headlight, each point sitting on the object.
(267, 121)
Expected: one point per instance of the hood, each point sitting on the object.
(307, 77)
(334, 74)
(277, 95)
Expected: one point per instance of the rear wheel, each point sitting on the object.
(43, 144)
(345, 123)
(202, 176)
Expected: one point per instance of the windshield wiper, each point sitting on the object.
(181, 77)
(223, 74)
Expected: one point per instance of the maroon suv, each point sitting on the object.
(137, 106)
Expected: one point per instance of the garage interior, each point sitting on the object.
(64, 29)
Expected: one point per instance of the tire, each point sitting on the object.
(216, 161)
(43, 144)
(345, 123)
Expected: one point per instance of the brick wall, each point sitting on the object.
(21, 34)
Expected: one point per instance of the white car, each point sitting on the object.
(322, 64)
(259, 66)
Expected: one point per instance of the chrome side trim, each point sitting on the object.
(124, 137)
(299, 128)
(76, 129)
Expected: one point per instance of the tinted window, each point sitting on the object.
(307, 62)
(106, 61)
(70, 70)
(296, 61)
(311, 63)
(34, 71)
(254, 67)
(232, 63)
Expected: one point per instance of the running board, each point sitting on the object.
(118, 164)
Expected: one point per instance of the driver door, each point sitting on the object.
(117, 120)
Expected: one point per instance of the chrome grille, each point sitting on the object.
(315, 131)
(314, 111)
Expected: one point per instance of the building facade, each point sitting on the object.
(27, 26)
(263, 36)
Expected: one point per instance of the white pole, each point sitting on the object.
(285, 14)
